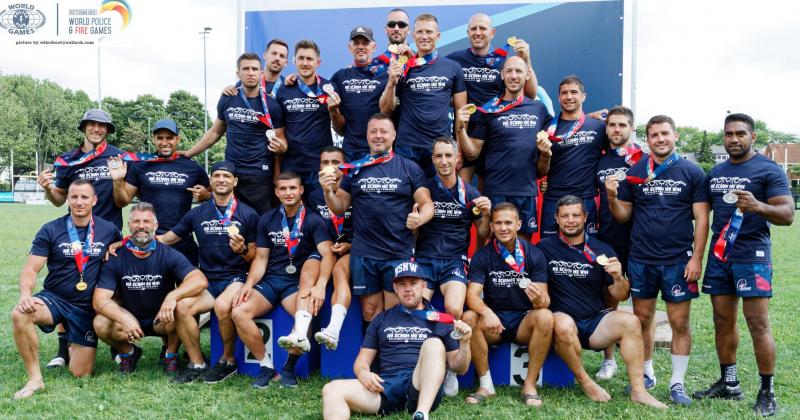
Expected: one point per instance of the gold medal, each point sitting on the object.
(471, 108)
(476, 211)
(329, 170)
(233, 230)
(393, 48)
(511, 40)
(542, 135)
(81, 286)
(403, 59)
(602, 260)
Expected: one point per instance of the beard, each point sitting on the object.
(142, 238)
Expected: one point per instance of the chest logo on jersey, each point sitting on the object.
(605, 173)
(506, 278)
(166, 178)
(723, 184)
(142, 281)
(481, 74)
(325, 212)
(301, 105)
(571, 269)
(67, 251)
(215, 227)
(663, 187)
(518, 121)
(406, 334)
(360, 85)
(447, 210)
(577, 139)
(379, 185)
(427, 84)
(93, 173)
(243, 115)
(277, 238)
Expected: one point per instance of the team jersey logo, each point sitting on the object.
(742, 286)
(663, 187)
(677, 291)
(723, 184)
(142, 281)
(481, 74)
(166, 178)
(325, 212)
(360, 85)
(447, 209)
(243, 115)
(301, 105)
(278, 239)
(605, 173)
(379, 185)
(215, 227)
(406, 334)
(68, 251)
(571, 269)
(427, 84)
(93, 173)
(519, 121)
(506, 278)
(577, 139)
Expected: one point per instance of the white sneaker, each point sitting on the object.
(204, 318)
(606, 371)
(57, 362)
(450, 383)
(327, 339)
(294, 341)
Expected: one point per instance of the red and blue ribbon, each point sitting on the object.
(83, 158)
(352, 169)
(517, 261)
(292, 237)
(551, 131)
(724, 244)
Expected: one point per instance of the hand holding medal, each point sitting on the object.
(328, 172)
(117, 168)
(543, 144)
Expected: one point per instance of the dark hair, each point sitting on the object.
(426, 17)
(288, 176)
(79, 182)
(248, 56)
(277, 41)
(741, 118)
(144, 206)
(570, 200)
(621, 110)
(504, 206)
(397, 9)
(570, 80)
(306, 43)
(380, 116)
(445, 140)
(332, 149)
(658, 119)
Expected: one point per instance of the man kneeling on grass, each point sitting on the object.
(413, 349)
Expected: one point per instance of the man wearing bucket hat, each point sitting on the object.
(413, 346)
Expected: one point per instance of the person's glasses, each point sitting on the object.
(397, 23)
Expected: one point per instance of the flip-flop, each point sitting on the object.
(531, 397)
(479, 398)
(26, 392)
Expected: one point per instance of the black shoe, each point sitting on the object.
(190, 374)
(265, 375)
(219, 372)
(765, 405)
(114, 354)
(162, 355)
(288, 378)
(128, 364)
(720, 390)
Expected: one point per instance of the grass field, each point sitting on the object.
(148, 393)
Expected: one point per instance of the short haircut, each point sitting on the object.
(306, 44)
(332, 149)
(658, 119)
(144, 206)
(622, 110)
(288, 176)
(504, 206)
(570, 200)
(748, 120)
(381, 117)
(79, 182)
(572, 80)
(248, 56)
(426, 17)
(445, 140)
(277, 41)
(397, 9)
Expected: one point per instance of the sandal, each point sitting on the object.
(479, 398)
(531, 397)
(26, 392)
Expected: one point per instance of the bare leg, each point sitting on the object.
(81, 360)
(429, 372)
(479, 347)
(645, 310)
(371, 305)
(390, 299)
(341, 282)
(726, 335)
(678, 314)
(27, 342)
(454, 293)
(227, 330)
(186, 324)
(756, 312)
(246, 328)
(536, 330)
(569, 348)
(341, 396)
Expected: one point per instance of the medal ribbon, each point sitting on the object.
(364, 162)
(135, 249)
(632, 153)
(416, 61)
(265, 119)
(278, 83)
(496, 57)
(320, 96)
(230, 209)
(379, 64)
(147, 157)
(84, 158)
(496, 105)
(81, 254)
(462, 190)
(586, 251)
(433, 316)
(292, 238)
(517, 261)
(724, 244)
(551, 131)
(651, 173)
(338, 223)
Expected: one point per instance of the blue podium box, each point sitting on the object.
(339, 364)
(508, 363)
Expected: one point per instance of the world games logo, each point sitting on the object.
(68, 251)
(577, 139)
(93, 173)
(301, 105)
(506, 278)
(447, 209)
(21, 19)
(166, 178)
(142, 281)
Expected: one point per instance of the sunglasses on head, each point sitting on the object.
(396, 23)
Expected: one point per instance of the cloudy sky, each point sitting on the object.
(695, 59)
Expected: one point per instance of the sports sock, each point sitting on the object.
(302, 319)
(728, 374)
(338, 312)
(486, 383)
(611, 362)
(648, 368)
(768, 383)
(364, 325)
(679, 366)
(63, 345)
(291, 361)
(168, 355)
(266, 362)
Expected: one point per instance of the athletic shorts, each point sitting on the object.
(148, 327)
(526, 206)
(399, 393)
(511, 321)
(648, 279)
(586, 328)
(277, 288)
(256, 191)
(550, 227)
(369, 275)
(444, 270)
(216, 287)
(745, 280)
(77, 321)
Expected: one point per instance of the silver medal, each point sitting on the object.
(524, 282)
(327, 88)
(291, 269)
(113, 164)
(730, 198)
(620, 176)
(270, 134)
(456, 334)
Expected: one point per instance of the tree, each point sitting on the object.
(187, 111)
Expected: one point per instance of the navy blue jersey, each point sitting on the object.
(360, 91)
(308, 128)
(217, 260)
(574, 161)
(270, 235)
(96, 170)
(447, 234)
(501, 290)
(53, 242)
(425, 95)
(483, 82)
(141, 284)
(576, 286)
(164, 185)
(765, 180)
(663, 232)
(610, 231)
(398, 336)
(386, 189)
(316, 201)
(246, 135)
(510, 148)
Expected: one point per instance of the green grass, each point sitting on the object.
(148, 394)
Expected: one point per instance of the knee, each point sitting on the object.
(369, 310)
(645, 318)
(100, 325)
(631, 324)
(182, 308)
(240, 314)
(330, 392)
(19, 319)
(339, 274)
(758, 324)
(432, 347)
(454, 309)
(222, 309)
(80, 371)
(564, 329)
(543, 319)
(470, 318)
(680, 326)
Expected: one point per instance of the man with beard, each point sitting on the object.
(748, 192)
(664, 194)
(73, 247)
(397, 27)
(138, 296)
(581, 271)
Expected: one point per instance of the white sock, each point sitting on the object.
(338, 312)
(611, 362)
(648, 368)
(679, 366)
(199, 366)
(302, 319)
(486, 383)
(266, 362)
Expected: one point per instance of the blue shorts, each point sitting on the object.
(526, 206)
(647, 279)
(369, 275)
(420, 155)
(277, 288)
(745, 280)
(399, 393)
(216, 287)
(550, 227)
(511, 321)
(444, 270)
(148, 327)
(586, 328)
(77, 321)
(623, 252)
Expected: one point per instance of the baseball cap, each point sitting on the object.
(224, 166)
(97, 115)
(364, 31)
(410, 269)
(166, 124)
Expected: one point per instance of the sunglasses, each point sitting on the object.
(397, 23)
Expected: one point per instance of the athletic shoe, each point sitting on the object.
(162, 355)
(765, 405)
(720, 390)
(219, 372)
(288, 378)
(265, 375)
(649, 383)
(607, 370)
(294, 341)
(114, 354)
(127, 365)
(190, 374)
(327, 338)
(171, 365)
(450, 383)
(677, 394)
(419, 415)
(58, 362)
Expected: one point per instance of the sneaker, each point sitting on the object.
(219, 372)
(190, 374)
(265, 375)
(294, 341)
(607, 370)
(162, 355)
(327, 338)
(288, 378)
(127, 365)
(114, 354)
(171, 365)
(720, 390)
(649, 383)
(58, 362)
(677, 394)
(450, 383)
(419, 415)
(765, 405)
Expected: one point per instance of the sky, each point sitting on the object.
(695, 60)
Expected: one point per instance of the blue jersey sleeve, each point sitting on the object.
(777, 184)
(185, 226)
(458, 80)
(371, 336)
(41, 242)
(538, 266)
(262, 237)
(108, 274)
(477, 268)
